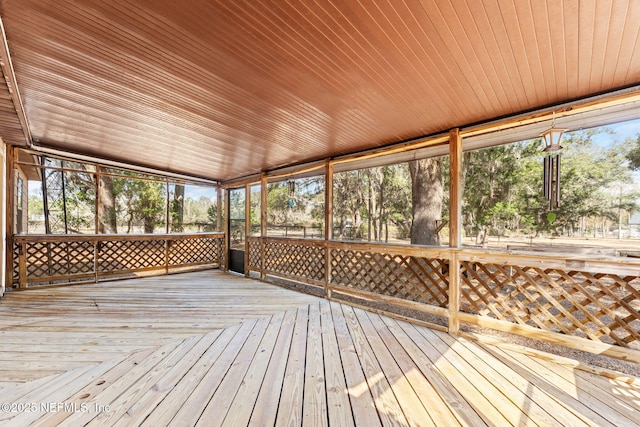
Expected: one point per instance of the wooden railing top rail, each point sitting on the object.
(380, 247)
(582, 262)
(431, 251)
(110, 237)
(576, 261)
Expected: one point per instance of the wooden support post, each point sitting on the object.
(97, 201)
(455, 226)
(454, 293)
(226, 229)
(96, 257)
(9, 213)
(247, 227)
(219, 226)
(263, 221)
(96, 249)
(167, 248)
(328, 226)
(455, 189)
(167, 213)
(22, 265)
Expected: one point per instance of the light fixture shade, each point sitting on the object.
(552, 139)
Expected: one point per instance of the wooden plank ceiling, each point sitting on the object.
(223, 89)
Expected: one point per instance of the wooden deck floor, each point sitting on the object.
(209, 348)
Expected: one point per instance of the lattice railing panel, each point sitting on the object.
(70, 258)
(598, 306)
(16, 262)
(194, 251)
(254, 253)
(50, 259)
(126, 255)
(412, 278)
(295, 259)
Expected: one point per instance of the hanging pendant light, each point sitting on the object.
(552, 139)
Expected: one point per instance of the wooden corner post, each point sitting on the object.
(247, 227)
(226, 228)
(328, 226)
(455, 227)
(263, 221)
(455, 189)
(10, 177)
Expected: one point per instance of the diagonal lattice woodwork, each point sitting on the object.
(127, 255)
(601, 307)
(254, 253)
(296, 259)
(16, 262)
(197, 251)
(70, 258)
(50, 259)
(412, 278)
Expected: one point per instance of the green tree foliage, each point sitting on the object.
(78, 207)
(502, 192)
(298, 202)
(373, 204)
(348, 203)
(494, 183)
(124, 199)
(503, 186)
(35, 207)
(634, 153)
(142, 201)
(588, 172)
(279, 211)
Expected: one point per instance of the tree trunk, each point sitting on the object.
(129, 216)
(381, 203)
(149, 224)
(369, 206)
(107, 223)
(177, 210)
(427, 192)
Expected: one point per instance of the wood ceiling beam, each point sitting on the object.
(12, 86)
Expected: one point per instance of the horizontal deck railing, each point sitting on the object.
(587, 304)
(58, 259)
(591, 304)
